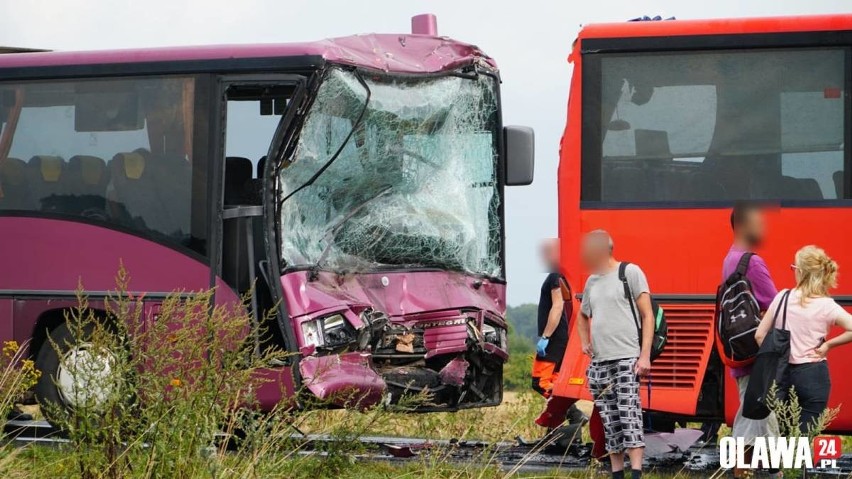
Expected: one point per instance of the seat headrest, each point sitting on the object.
(91, 168)
(261, 164)
(133, 163)
(237, 167)
(653, 144)
(13, 171)
(50, 167)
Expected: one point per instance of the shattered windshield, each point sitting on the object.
(414, 182)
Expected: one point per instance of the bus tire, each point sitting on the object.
(58, 387)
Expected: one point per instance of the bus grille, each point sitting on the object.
(689, 340)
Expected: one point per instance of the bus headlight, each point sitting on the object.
(311, 333)
(329, 331)
(494, 335)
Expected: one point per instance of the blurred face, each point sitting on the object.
(594, 253)
(550, 254)
(754, 228)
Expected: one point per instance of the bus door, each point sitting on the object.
(255, 109)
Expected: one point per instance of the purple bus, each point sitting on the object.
(356, 183)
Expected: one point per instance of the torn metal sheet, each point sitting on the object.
(660, 443)
(454, 372)
(344, 379)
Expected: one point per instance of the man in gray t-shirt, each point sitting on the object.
(610, 335)
(613, 330)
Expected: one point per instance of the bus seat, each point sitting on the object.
(624, 183)
(238, 173)
(652, 144)
(46, 177)
(838, 183)
(86, 178)
(702, 186)
(152, 191)
(801, 188)
(87, 175)
(13, 184)
(261, 164)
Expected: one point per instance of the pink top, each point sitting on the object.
(809, 325)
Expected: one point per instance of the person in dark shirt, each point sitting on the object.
(552, 323)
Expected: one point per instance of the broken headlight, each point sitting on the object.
(494, 335)
(328, 332)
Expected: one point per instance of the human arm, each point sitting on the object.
(767, 322)
(584, 330)
(555, 314)
(584, 321)
(844, 320)
(646, 313)
(763, 287)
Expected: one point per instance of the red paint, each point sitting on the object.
(681, 250)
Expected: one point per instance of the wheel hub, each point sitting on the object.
(84, 377)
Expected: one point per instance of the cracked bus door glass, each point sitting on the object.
(415, 185)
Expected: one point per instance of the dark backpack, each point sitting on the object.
(661, 328)
(737, 318)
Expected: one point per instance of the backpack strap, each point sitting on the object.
(742, 266)
(622, 275)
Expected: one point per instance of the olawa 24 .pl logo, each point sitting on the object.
(781, 453)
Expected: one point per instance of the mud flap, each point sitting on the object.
(345, 380)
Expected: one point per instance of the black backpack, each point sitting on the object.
(661, 328)
(737, 318)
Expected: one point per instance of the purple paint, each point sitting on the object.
(346, 379)
(406, 292)
(454, 372)
(403, 53)
(425, 24)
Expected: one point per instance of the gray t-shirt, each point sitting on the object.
(613, 329)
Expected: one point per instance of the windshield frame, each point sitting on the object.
(595, 49)
(285, 148)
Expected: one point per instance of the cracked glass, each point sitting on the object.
(405, 176)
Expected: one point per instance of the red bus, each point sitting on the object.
(671, 122)
(357, 182)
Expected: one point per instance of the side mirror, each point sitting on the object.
(519, 155)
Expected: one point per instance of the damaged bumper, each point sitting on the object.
(371, 338)
(449, 360)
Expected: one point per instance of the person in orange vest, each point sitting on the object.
(555, 308)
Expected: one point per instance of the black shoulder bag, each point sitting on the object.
(769, 366)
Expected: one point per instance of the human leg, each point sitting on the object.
(603, 388)
(630, 412)
(812, 385)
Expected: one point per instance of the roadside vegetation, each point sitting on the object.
(171, 405)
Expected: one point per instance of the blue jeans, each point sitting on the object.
(812, 385)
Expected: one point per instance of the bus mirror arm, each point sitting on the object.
(518, 155)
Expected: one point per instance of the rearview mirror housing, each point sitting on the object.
(519, 155)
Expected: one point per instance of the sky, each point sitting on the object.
(530, 41)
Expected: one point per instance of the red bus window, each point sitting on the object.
(714, 126)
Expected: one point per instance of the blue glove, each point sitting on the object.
(541, 347)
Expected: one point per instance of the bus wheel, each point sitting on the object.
(75, 373)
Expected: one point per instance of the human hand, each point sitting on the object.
(819, 352)
(588, 351)
(541, 347)
(643, 366)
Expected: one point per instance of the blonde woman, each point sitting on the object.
(811, 313)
